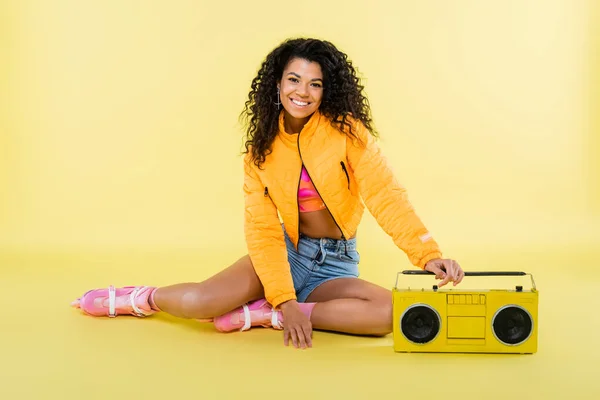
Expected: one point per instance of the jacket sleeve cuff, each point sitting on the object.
(428, 258)
(282, 298)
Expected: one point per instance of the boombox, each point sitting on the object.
(451, 320)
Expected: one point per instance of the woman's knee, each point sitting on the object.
(384, 310)
(198, 303)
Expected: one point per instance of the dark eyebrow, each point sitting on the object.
(296, 75)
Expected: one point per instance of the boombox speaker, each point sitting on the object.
(465, 321)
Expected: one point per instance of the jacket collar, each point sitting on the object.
(291, 140)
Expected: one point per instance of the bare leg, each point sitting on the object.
(352, 306)
(223, 292)
(226, 291)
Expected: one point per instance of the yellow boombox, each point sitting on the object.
(451, 320)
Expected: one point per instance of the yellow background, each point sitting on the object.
(120, 164)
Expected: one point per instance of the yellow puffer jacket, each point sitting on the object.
(345, 173)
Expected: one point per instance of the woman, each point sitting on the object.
(310, 162)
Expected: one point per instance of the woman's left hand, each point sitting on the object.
(445, 269)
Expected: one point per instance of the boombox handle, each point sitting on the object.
(472, 273)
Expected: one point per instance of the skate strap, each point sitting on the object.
(132, 296)
(275, 319)
(247, 320)
(111, 301)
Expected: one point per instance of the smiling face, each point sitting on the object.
(301, 92)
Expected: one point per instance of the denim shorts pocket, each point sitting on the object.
(300, 276)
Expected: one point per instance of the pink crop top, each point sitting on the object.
(308, 198)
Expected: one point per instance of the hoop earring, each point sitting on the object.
(278, 103)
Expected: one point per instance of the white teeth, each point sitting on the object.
(299, 103)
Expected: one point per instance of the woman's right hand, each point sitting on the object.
(296, 325)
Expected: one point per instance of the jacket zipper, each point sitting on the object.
(346, 172)
(266, 191)
(297, 191)
(298, 202)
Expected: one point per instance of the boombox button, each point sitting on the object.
(435, 288)
(519, 288)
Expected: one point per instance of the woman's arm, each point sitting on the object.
(387, 200)
(265, 240)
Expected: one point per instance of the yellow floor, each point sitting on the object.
(50, 350)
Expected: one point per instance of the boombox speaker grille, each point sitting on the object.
(420, 324)
(512, 325)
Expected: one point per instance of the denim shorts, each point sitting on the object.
(320, 260)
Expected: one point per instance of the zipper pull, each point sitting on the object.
(345, 172)
(266, 191)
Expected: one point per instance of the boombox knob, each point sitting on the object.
(519, 288)
(435, 288)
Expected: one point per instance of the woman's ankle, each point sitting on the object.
(151, 301)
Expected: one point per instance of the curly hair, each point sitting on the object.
(342, 93)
